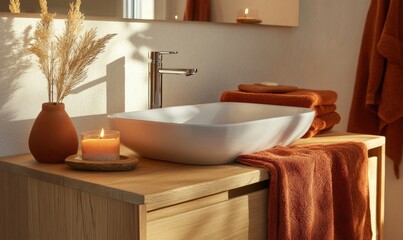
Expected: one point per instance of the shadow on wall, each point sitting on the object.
(13, 62)
(115, 97)
(115, 86)
(140, 40)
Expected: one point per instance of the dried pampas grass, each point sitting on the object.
(14, 6)
(64, 59)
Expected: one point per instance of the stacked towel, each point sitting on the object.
(316, 192)
(322, 101)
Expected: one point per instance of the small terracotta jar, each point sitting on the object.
(53, 136)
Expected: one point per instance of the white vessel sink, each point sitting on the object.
(212, 133)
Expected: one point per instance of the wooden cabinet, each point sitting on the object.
(158, 200)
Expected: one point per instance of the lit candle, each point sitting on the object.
(248, 16)
(100, 146)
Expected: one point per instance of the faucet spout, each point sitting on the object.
(179, 71)
(155, 72)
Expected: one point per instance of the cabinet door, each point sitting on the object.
(34, 209)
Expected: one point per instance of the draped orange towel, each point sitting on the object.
(316, 192)
(322, 101)
(377, 106)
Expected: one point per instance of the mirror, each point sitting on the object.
(265, 12)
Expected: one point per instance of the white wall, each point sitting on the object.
(321, 53)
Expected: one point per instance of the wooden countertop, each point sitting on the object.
(155, 183)
(159, 183)
(371, 141)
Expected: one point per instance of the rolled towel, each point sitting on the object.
(300, 98)
(322, 124)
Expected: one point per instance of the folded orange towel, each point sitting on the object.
(325, 121)
(324, 109)
(322, 124)
(300, 98)
(316, 192)
(312, 133)
(260, 88)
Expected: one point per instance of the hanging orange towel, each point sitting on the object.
(301, 98)
(316, 192)
(197, 10)
(377, 106)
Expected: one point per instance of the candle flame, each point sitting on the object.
(246, 11)
(102, 134)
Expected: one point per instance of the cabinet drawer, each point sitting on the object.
(242, 217)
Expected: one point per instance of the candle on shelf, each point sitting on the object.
(248, 16)
(101, 145)
(246, 12)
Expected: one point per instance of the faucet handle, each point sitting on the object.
(167, 52)
(157, 55)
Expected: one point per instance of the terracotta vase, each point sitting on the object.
(53, 136)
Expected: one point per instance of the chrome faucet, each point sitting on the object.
(155, 72)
